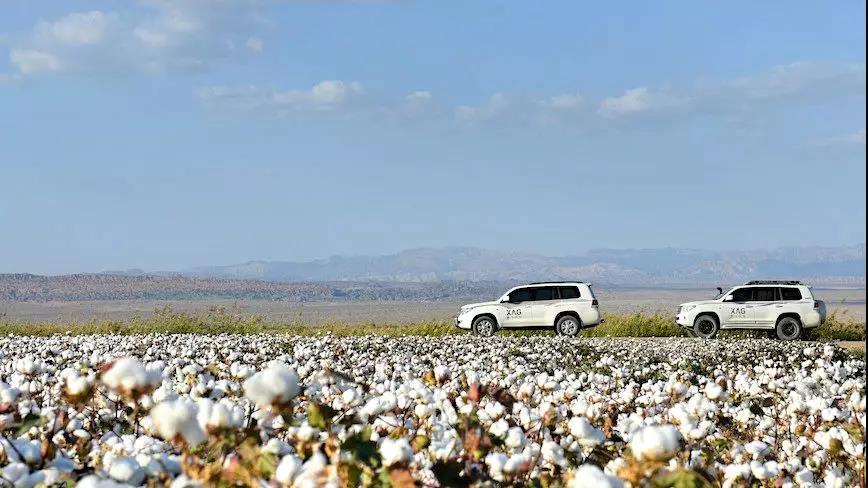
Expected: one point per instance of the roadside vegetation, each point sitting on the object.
(231, 321)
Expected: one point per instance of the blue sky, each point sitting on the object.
(164, 134)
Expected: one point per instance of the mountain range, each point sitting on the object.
(616, 267)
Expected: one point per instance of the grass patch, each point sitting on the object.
(231, 321)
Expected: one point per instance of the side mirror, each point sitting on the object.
(728, 298)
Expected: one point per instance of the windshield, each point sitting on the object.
(721, 292)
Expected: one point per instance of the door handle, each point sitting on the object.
(779, 306)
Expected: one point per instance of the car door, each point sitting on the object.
(518, 311)
(766, 305)
(545, 301)
(737, 308)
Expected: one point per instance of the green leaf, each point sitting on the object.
(448, 473)
(362, 449)
(319, 415)
(682, 478)
(27, 422)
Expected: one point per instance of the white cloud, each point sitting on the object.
(567, 101)
(335, 97)
(418, 98)
(31, 61)
(640, 100)
(852, 139)
(75, 29)
(254, 44)
(797, 80)
(497, 105)
(164, 36)
(325, 95)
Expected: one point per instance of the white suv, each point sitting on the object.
(784, 308)
(565, 306)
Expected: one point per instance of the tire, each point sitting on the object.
(568, 326)
(706, 326)
(788, 329)
(484, 326)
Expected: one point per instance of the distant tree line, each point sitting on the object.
(86, 287)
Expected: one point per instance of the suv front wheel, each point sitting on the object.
(706, 326)
(788, 329)
(484, 326)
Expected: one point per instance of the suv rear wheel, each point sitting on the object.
(706, 326)
(484, 326)
(568, 326)
(788, 329)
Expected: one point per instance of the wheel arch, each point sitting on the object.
(792, 315)
(564, 313)
(709, 313)
(485, 314)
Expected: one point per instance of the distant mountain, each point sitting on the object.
(624, 267)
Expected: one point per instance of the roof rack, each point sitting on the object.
(774, 282)
(553, 282)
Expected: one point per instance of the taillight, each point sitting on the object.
(595, 303)
(816, 304)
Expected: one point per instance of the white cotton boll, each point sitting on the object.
(499, 428)
(349, 397)
(276, 385)
(757, 449)
(495, 410)
(496, 462)
(306, 433)
(214, 415)
(656, 443)
(8, 395)
(804, 477)
(128, 376)
(736, 471)
(515, 437)
(94, 481)
(394, 451)
(553, 453)
(586, 434)
(287, 470)
(126, 470)
(442, 373)
(834, 478)
(178, 418)
(764, 471)
(590, 476)
(714, 391)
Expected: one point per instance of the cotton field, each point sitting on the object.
(270, 410)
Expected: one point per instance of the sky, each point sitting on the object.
(164, 134)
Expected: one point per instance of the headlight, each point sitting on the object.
(688, 308)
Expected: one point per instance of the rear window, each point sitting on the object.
(568, 292)
(765, 294)
(543, 293)
(791, 294)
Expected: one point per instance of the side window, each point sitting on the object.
(543, 293)
(765, 294)
(568, 292)
(742, 295)
(520, 295)
(791, 294)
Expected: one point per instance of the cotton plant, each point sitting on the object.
(273, 410)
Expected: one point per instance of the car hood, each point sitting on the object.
(699, 302)
(480, 304)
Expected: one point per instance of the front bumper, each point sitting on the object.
(683, 320)
(462, 322)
